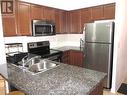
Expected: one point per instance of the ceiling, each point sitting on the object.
(69, 4)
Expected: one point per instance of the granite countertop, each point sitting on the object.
(62, 80)
(65, 48)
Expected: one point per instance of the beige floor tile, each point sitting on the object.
(107, 92)
(2, 83)
(2, 91)
(2, 86)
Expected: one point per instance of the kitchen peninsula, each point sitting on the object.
(62, 80)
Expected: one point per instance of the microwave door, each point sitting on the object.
(39, 30)
(42, 30)
(48, 29)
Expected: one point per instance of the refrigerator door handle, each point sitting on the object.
(109, 68)
(84, 49)
(111, 31)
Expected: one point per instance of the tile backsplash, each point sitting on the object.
(13, 48)
(55, 40)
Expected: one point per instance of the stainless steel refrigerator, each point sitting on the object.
(98, 48)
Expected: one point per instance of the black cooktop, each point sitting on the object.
(42, 48)
(47, 54)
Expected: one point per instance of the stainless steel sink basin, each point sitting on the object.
(32, 61)
(29, 62)
(42, 66)
(37, 65)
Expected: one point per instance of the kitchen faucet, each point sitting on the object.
(32, 60)
(24, 60)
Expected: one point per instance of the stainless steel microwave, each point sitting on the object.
(43, 27)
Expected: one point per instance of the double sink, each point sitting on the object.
(36, 65)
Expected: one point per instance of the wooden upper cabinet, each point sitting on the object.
(19, 23)
(49, 14)
(97, 13)
(103, 12)
(68, 22)
(9, 20)
(24, 21)
(9, 26)
(60, 21)
(36, 12)
(75, 21)
(86, 16)
(109, 11)
(63, 22)
(57, 20)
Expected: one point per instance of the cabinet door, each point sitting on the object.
(49, 14)
(9, 26)
(24, 22)
(98, 90)
(66, 57)
(63, 22)
(97, 13)
(60, 21)
(57, 20)
(86, 16)
(109, 11)
(76, 58)
(36, 12)
(75, 21)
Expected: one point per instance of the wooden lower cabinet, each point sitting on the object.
(65, 57)
(98, 90)
(73, 57)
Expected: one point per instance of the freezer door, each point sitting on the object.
(101, 32)
(99, 57)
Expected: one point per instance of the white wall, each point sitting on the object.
(3, 68)
(120, 45)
